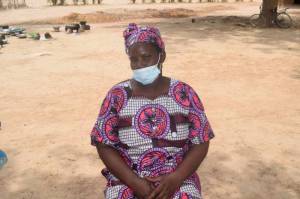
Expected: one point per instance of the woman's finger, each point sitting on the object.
(163, 194)
(156, 191)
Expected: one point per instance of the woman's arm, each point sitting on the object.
(122, 171)
(169, 183)
(192, 161)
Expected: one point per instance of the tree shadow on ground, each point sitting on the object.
(223, 28)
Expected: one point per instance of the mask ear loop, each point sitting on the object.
(159, 65)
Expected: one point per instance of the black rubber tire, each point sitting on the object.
(283, 20)
(257, 20)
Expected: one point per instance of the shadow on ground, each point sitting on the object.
(223, 28)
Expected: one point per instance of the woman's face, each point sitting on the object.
(142, 55)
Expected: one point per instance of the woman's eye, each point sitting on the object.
(146, 57)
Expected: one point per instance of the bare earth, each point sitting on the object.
(248, 79)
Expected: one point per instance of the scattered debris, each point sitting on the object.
(6, 30)
(1, 43)
(34, 35)
(14, 31)
(3, 40)
(56, 28)
(84, 26)
(21, 36)
(47, 35)
(3, 158)
(4, 26)
(70, 28)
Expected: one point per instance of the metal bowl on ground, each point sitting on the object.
(21, 36)
(4, 26)
(56, 28)
(72, 27)
(87, 27)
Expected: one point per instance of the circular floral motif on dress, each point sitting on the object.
(125, 193)
(206, 131)
(196, 100)
(109, 128)
(180, 92)
(118, 98)
(152, 121)
(178, 157)
(152, 159)
(96, 135)
(105, 107)
(196, 124)
(124, 155)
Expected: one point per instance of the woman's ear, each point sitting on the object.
(162, 57)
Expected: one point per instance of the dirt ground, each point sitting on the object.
(248, 79)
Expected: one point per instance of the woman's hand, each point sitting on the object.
(168, 185)
(142, 188)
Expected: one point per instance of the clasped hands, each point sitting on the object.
(168, 184)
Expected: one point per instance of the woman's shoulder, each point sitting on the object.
(122, 84)
(120, 88)
(180, 84)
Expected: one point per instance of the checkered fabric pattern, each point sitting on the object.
(149, 121)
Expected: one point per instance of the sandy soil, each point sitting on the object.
(248, 79)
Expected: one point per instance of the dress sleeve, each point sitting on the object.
(105, 129)
(200, 130)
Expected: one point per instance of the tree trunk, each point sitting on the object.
(269, 11)
(54, 2)
(1, 4)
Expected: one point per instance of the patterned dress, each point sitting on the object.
(152, 136)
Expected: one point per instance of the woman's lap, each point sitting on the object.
(187, 191)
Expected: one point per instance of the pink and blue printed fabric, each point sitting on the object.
(134, 34)
(151, 136)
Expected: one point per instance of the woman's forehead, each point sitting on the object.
(142, 48)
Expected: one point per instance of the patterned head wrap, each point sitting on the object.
(134, 34)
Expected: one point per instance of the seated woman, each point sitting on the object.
(151, 133)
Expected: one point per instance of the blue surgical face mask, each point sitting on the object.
(148, 74)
